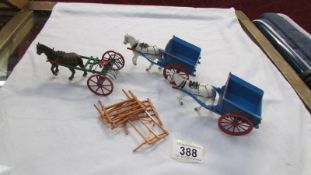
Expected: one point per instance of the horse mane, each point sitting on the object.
(194, 84)
(46, 48)
(143, 45)
(60, 53)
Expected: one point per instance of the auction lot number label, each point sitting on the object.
(186, 151)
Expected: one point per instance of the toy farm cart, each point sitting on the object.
(99, 83)
(179, 56)
(239, 105)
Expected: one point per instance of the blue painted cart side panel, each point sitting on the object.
(237, 96)
(242, 97)
(178, 51)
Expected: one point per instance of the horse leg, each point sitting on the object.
(72, 73)
(56, 69)
(134, 59)
(182, 95)
(149, 67)
(52, 69)
(199, 107)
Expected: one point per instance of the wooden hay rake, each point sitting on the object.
(140, 115)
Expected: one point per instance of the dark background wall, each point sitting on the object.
(298, 10)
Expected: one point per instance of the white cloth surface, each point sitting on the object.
(4, 170)
(48, 124)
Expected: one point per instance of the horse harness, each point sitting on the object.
(145, 46)
(194, 85)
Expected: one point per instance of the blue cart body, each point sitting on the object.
(237, 96)
(178, 51)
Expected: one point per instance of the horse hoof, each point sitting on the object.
(70, 78)
(147, 70)
(84, 75)
(196, 109)
(181, 103)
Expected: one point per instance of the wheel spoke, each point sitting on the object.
(228, 119)
(238, 129)
(112, 55)
(233, 130)
(97, 89)
(119, 65)
(245, 124)
(93, 81)
(102, 90)
(243, 129)
(106, 89)
(229, 127)
(226, 125)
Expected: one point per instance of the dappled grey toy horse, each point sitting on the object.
(205, 92)
(152, 52)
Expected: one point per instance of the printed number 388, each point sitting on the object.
(188, 152)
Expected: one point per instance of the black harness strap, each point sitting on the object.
(182, 85)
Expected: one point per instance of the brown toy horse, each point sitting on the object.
(56, 58)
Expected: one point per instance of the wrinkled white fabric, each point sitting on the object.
(48, 124)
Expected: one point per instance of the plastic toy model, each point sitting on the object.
(239, 103)
(179, 55)
(140, 115)
(98, 83)
(204, 92)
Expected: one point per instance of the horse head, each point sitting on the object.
(39, 49)
(128, 39)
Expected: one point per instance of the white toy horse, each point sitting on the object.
(204, 92)
(152, 52)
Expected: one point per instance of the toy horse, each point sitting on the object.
(56, 58)
(204, 92)
(152, 52)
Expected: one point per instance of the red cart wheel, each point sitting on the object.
(100, 85)
(174, 68)
(235, 124)
(118, 60)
